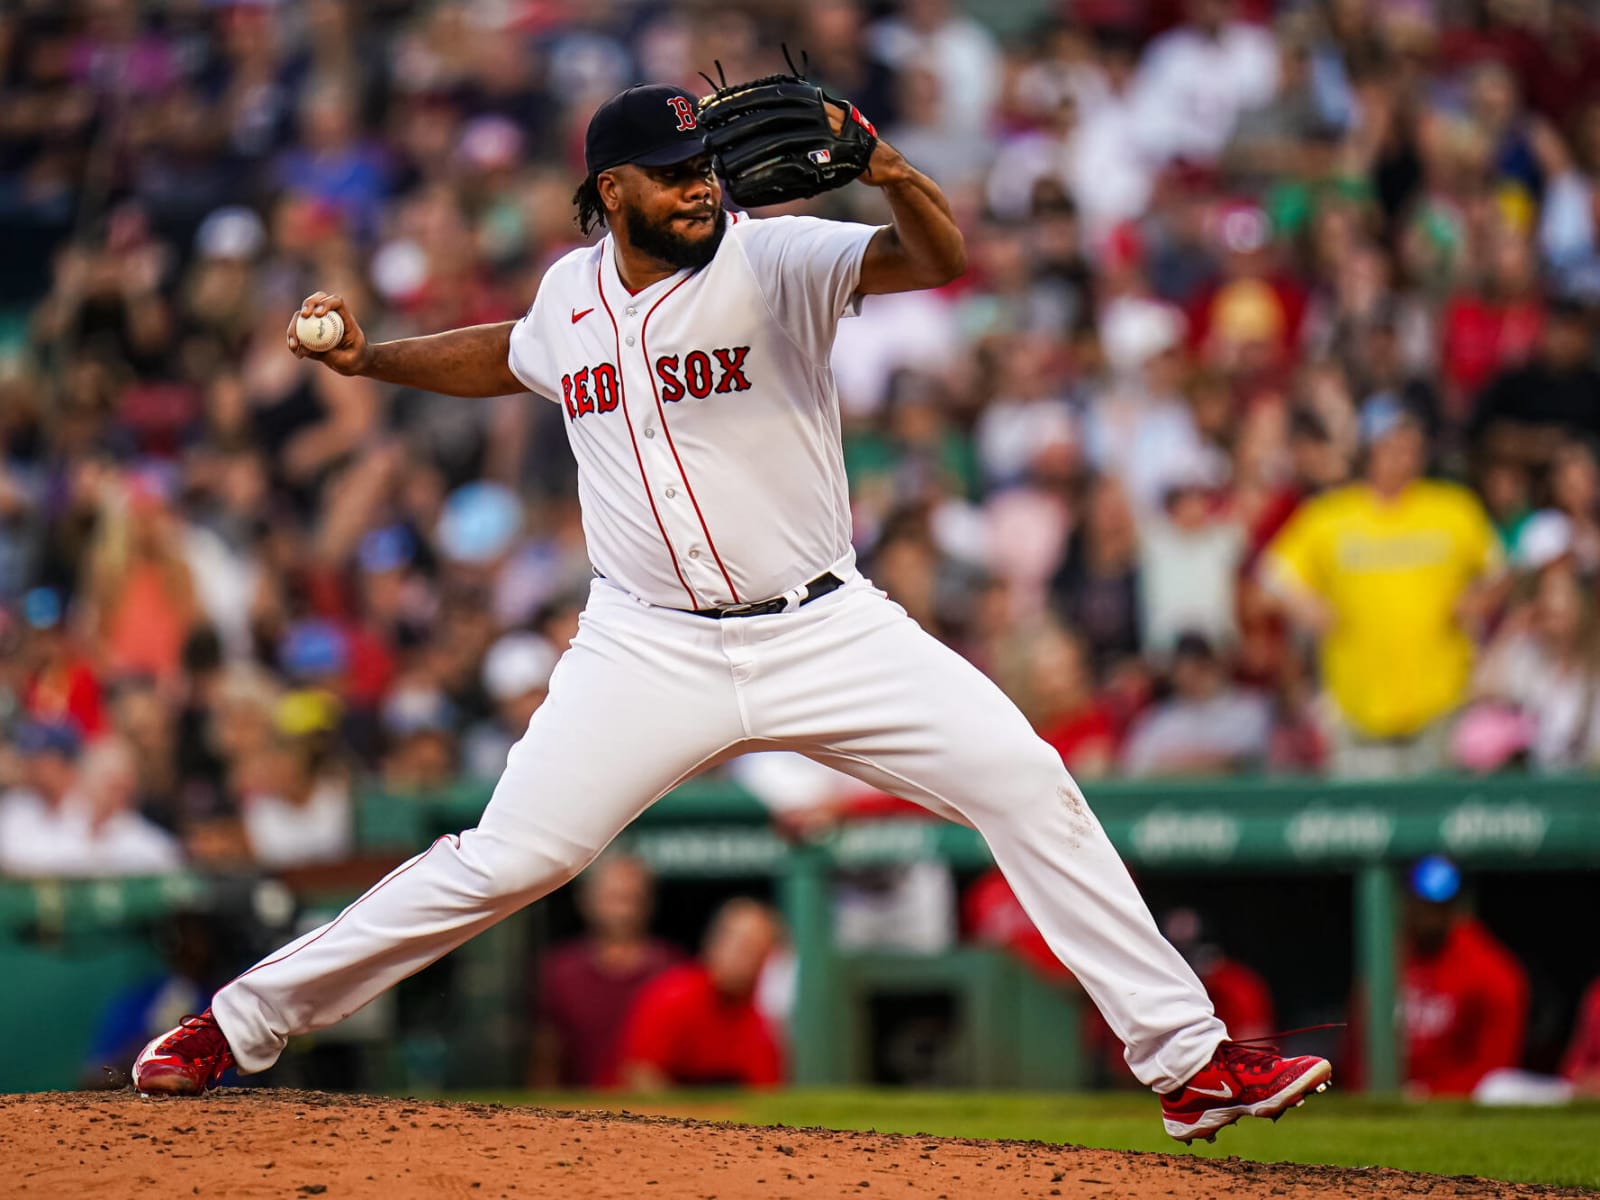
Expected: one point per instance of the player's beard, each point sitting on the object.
(660, 242)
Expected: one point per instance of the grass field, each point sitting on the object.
(1554, 1146)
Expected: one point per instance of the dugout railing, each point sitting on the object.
(63, 943)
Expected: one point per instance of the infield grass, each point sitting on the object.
(1554, 1146)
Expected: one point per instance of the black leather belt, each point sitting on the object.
(820, 586)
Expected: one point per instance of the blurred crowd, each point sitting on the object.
(1260, 435)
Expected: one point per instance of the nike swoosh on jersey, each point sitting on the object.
(1222, 1093)
(578, 316)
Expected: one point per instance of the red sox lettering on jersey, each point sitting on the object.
(701, 410)
(594, 389)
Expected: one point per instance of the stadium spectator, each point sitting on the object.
(1045, 670)
(1539, 682)
(516, 678)
(904, 907)
(1291, 135)
(992, 916)
(1574, 486)
(142, 597)
(76, 817)
(832, 33)
(698, 1025)
(1096, 588)
(60, 684)
(586, 988)
(1464, 998)
(1239, 994)
(1391, 575)
(1580, 1066)
(147, 721)
(295, 794)
(960, 51)
(1189, 557)
(420, 729)
(1529, 411)
(1141, 428)
(1196, 79)
(1206, 727)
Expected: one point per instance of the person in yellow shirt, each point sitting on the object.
(1390, 574)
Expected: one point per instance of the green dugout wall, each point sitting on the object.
(63, 946)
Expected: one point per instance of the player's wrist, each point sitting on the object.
(365, 359)
(887, 168)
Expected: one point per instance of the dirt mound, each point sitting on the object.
(250, 1143)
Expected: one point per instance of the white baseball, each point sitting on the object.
(320, 333)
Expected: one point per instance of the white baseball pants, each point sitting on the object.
(645, 698)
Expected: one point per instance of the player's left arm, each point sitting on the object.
(923, 248)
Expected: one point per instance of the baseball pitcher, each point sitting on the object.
(689, 350)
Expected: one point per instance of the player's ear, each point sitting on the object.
(610, 186)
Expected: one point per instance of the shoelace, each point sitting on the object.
(1237, 1057)
(1259, 1053)
(193, 1023)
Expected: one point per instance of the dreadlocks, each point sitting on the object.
(591, 212)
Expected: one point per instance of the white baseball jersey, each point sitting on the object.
(702, 410)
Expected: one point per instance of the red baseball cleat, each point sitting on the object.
(184, 1061)
(1241, 1081)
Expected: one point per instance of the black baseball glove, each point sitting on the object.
(771, 140)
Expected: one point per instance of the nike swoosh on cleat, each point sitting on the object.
(578, 316)
(1224, 1093)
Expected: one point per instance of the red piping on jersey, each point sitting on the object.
(373, 891)
(644, 347)
(622, 392)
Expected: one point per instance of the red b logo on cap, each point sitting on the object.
(684, 110)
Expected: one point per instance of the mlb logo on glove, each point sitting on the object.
(821, 157)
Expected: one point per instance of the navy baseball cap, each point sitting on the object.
(652, 125)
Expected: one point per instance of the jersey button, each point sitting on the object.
(629, 339)
(670, 492)
(633, 312)
(649, 431)
(694, 552)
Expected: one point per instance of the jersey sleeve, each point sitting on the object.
(807, 270)
(530, 358)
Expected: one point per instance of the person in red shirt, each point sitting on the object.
(1580, 1066)
(587, 987)
(1046, 670)
(1464, 998)
(1072, 719)
(698, 1024)
(1238, 993)
(60, 685)
(1242, 1000)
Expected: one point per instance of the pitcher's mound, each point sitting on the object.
(240, 1143)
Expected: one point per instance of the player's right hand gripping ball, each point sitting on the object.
(318, 334)
(771, 141)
